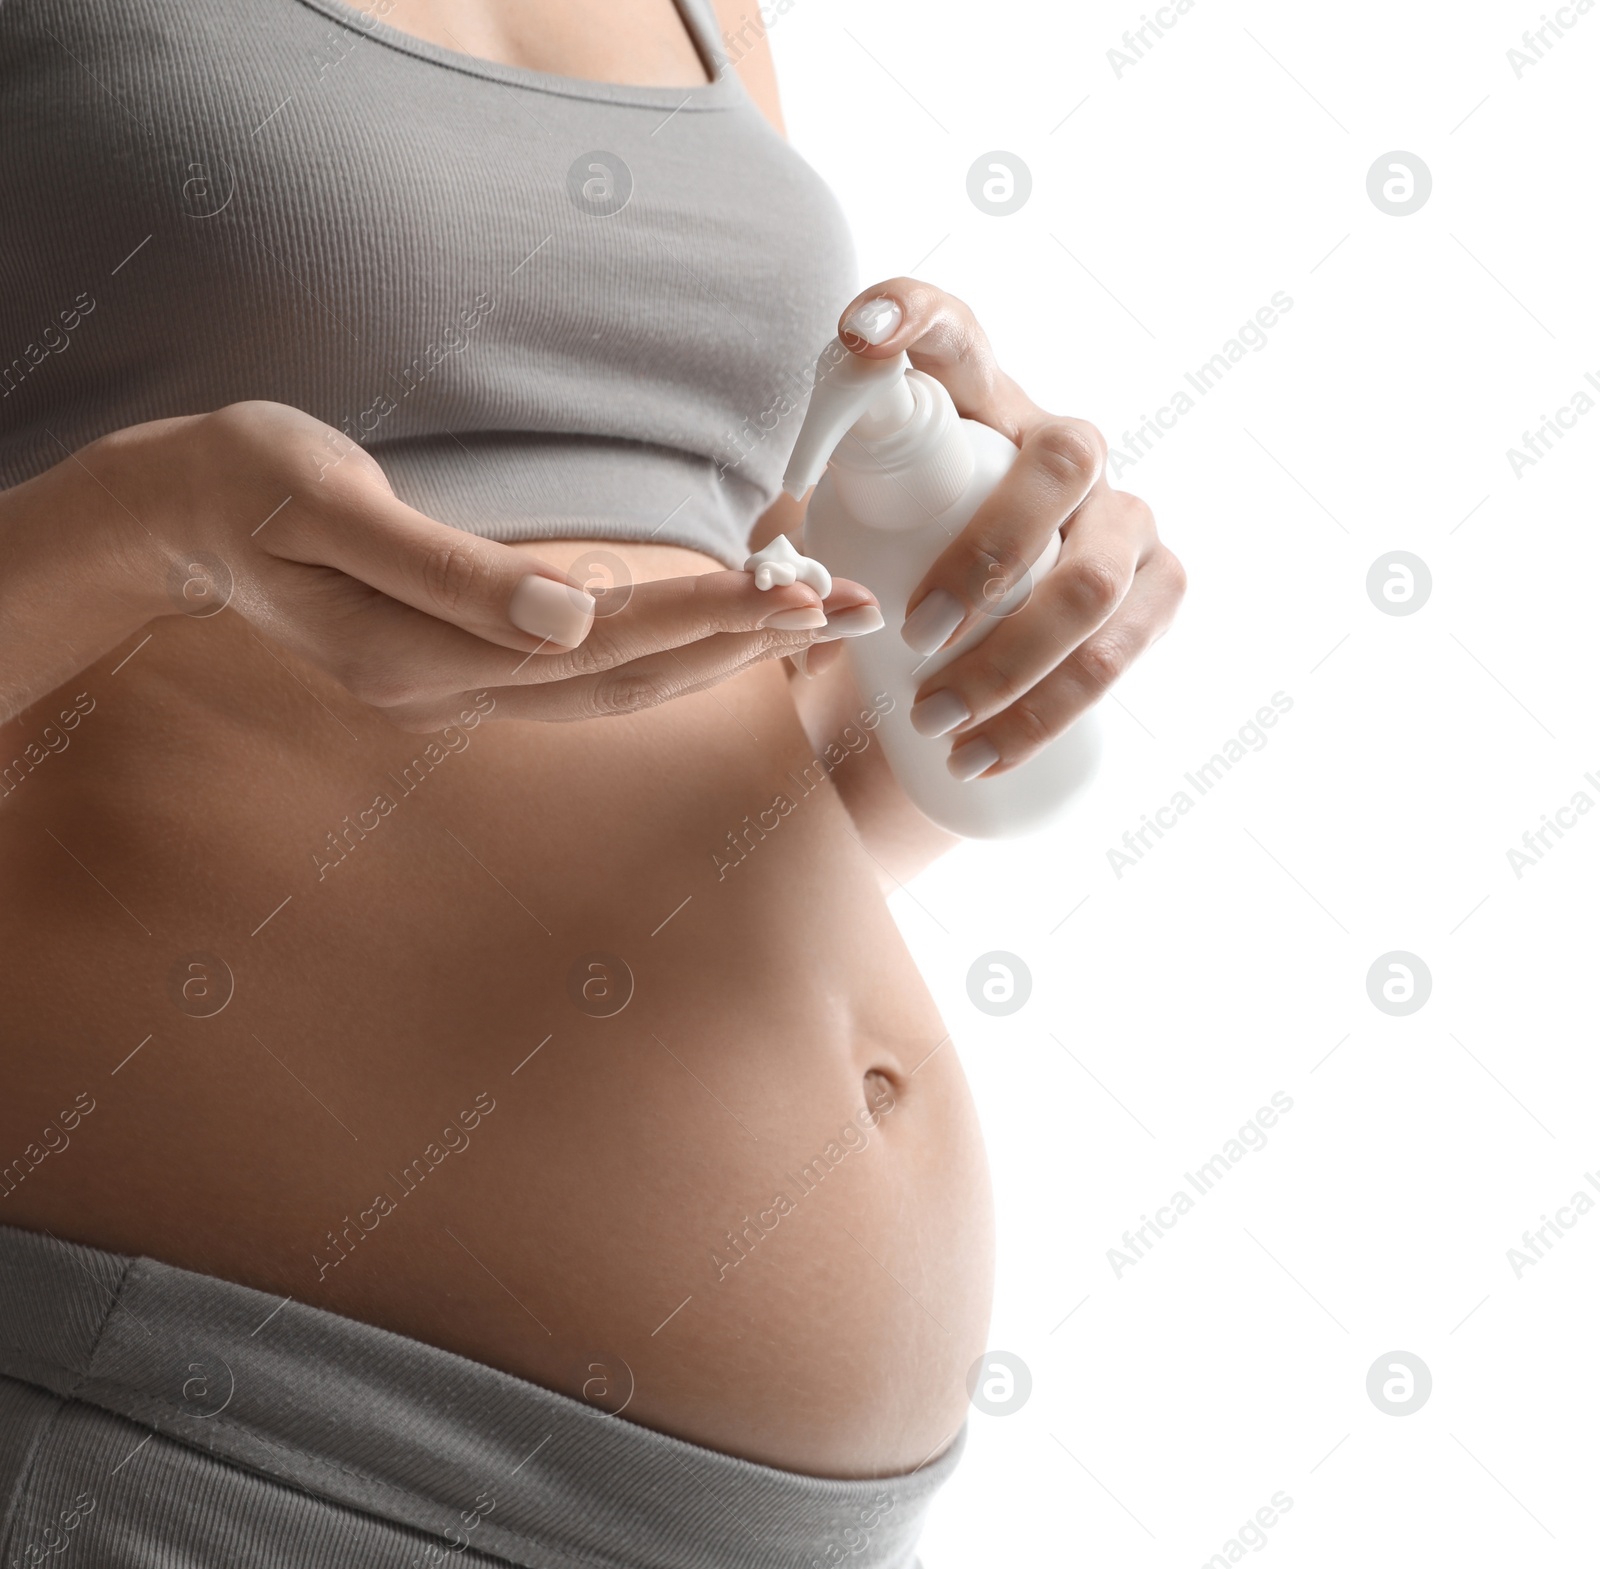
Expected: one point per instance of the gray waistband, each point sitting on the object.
(356, 1415)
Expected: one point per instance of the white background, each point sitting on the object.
(1168, 1004)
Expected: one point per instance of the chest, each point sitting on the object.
(638, 41)
(296, 200)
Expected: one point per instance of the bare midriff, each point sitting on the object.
(495, 1039)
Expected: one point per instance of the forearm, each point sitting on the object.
(898, 838)
(79, 574)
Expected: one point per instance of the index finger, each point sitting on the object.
(940, 336)
(479, 585)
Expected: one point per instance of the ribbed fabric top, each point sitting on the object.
(547, 306)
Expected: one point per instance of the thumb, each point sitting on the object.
(478, 584)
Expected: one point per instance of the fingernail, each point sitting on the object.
(940, 713)
(552, 610)
(802, 620)
(929, 626)
(967, 762)
(874, 320)
(857, 622)
(798, 660)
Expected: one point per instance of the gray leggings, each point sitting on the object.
(154, 1417)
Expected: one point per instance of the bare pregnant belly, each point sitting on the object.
(489, 1039)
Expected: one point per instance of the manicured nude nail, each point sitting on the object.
(551, 610)
(940, 713)
(857, 622)
(874, 320)
(967, 762)
(929, 626)
(802, 620)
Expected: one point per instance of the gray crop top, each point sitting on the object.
(547, 306)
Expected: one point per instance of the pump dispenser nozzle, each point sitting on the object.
(845, 389)
(889, 435)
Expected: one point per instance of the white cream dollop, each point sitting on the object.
(780, 564)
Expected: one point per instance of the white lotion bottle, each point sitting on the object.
(904, 473)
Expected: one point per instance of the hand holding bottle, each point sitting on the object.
(1114, 589)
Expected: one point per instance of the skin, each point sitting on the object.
(598, 1201)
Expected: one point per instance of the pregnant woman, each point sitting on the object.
(464, 1090)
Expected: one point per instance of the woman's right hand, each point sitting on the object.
(409, 614)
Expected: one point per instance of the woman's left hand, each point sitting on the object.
(1113, 591)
